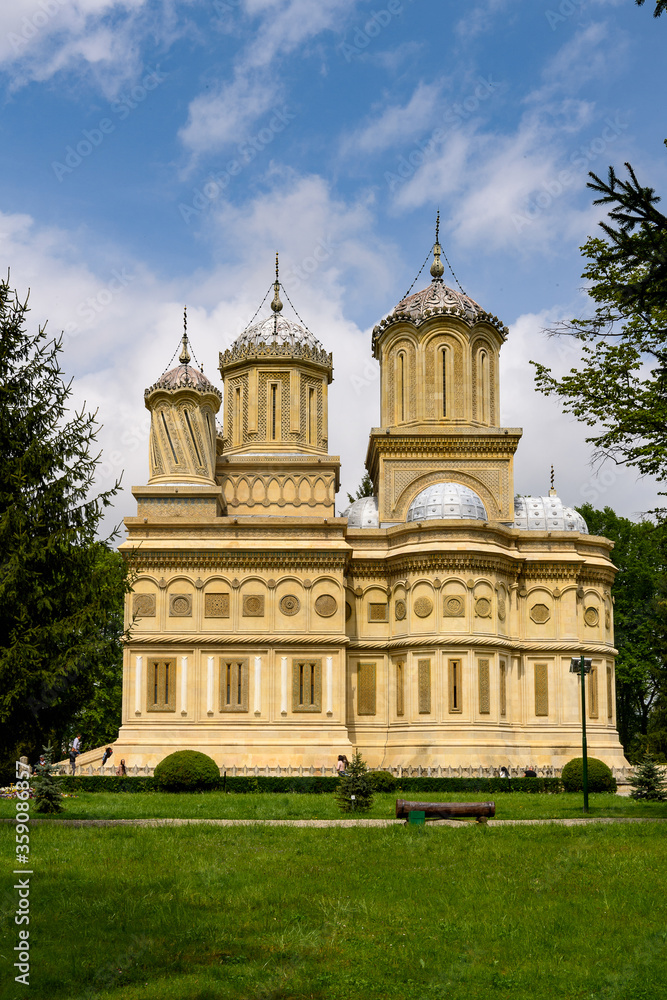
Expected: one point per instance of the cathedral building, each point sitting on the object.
(430, 624)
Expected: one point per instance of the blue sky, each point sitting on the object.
(158, 153)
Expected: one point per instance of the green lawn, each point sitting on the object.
(217, 805)
(213, 913)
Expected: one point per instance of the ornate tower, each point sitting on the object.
(275, 450)
(438, 353)
(182, 448)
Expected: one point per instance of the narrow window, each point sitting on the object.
(593, 692)
(424, 681)
(233, 685)
(484, 687)
(610, 707)
(366, 689)
(541, 689)
(166, 430)
(454, 685)
(400, 702)
(306, 685)
(503, 688)
(483, 387)
(401, 385)
(274, 405)
(237, 416)
(161, 676)
(192, 435)
(443, 355)
(312, 433)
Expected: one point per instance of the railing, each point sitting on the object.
(622, 774)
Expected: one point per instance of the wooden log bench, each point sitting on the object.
(481, 811)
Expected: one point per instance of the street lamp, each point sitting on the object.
(582, 666)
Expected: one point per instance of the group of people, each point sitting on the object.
(529, 772)
(342, 764)
(75, 750)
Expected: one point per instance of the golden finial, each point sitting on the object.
(552, 490)
(276, 305)
(184, 356)
(437, 270)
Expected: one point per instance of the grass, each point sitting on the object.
(217, 805)
(270, 913)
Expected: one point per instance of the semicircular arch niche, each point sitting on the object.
(454, 475)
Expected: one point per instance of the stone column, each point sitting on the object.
(329, 685)
(139, 660)
(184, 685)
(283, 685)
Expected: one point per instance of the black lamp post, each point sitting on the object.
(582, 666)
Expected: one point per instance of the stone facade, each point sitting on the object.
(268, 631)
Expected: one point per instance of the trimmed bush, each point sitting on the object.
(383, 781)
(187, 771)
(600, 778)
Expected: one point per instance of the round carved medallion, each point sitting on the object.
(454, 607)
(289, 604)
(540, 614)
(483, 607)
(253, 605)
(591, 616)
(423, 607)
(180, 605)
(400, 610)
(348, 611)
(326, 605)
(501, 608)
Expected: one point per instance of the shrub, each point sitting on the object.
(382, 781)
(648, 781)
(600, 778)
(187, 771)
(355, 792)
(48, 796)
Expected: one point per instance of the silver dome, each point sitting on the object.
(363, 513)
(277, 330)
(546, 514)
(447, 500)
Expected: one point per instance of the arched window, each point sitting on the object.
(401, 388)
(444, 380)
(483, 387)
(236, 419)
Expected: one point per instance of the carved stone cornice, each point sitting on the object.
(437, 441)
(507, 645)
(262, 639)
(241, 561)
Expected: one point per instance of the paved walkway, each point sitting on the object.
(578, 821)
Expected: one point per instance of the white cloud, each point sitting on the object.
(397, 123)
(218, 120)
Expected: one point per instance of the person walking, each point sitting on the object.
(72, 759)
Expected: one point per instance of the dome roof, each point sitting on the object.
(183, 377)
(277, 330)
(546, 514)
(363, 513)
(277, 336)
(437, 299)
(447, 500)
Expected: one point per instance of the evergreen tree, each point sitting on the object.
(48, 797)
(648, 780)
(58, 602)
(355, 792)
(660, 6)
(620, 386)
(365, 489)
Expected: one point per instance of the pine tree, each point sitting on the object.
(648, 780)
(57, 598)
(48, 797)
(364, 489)
(355, 792)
